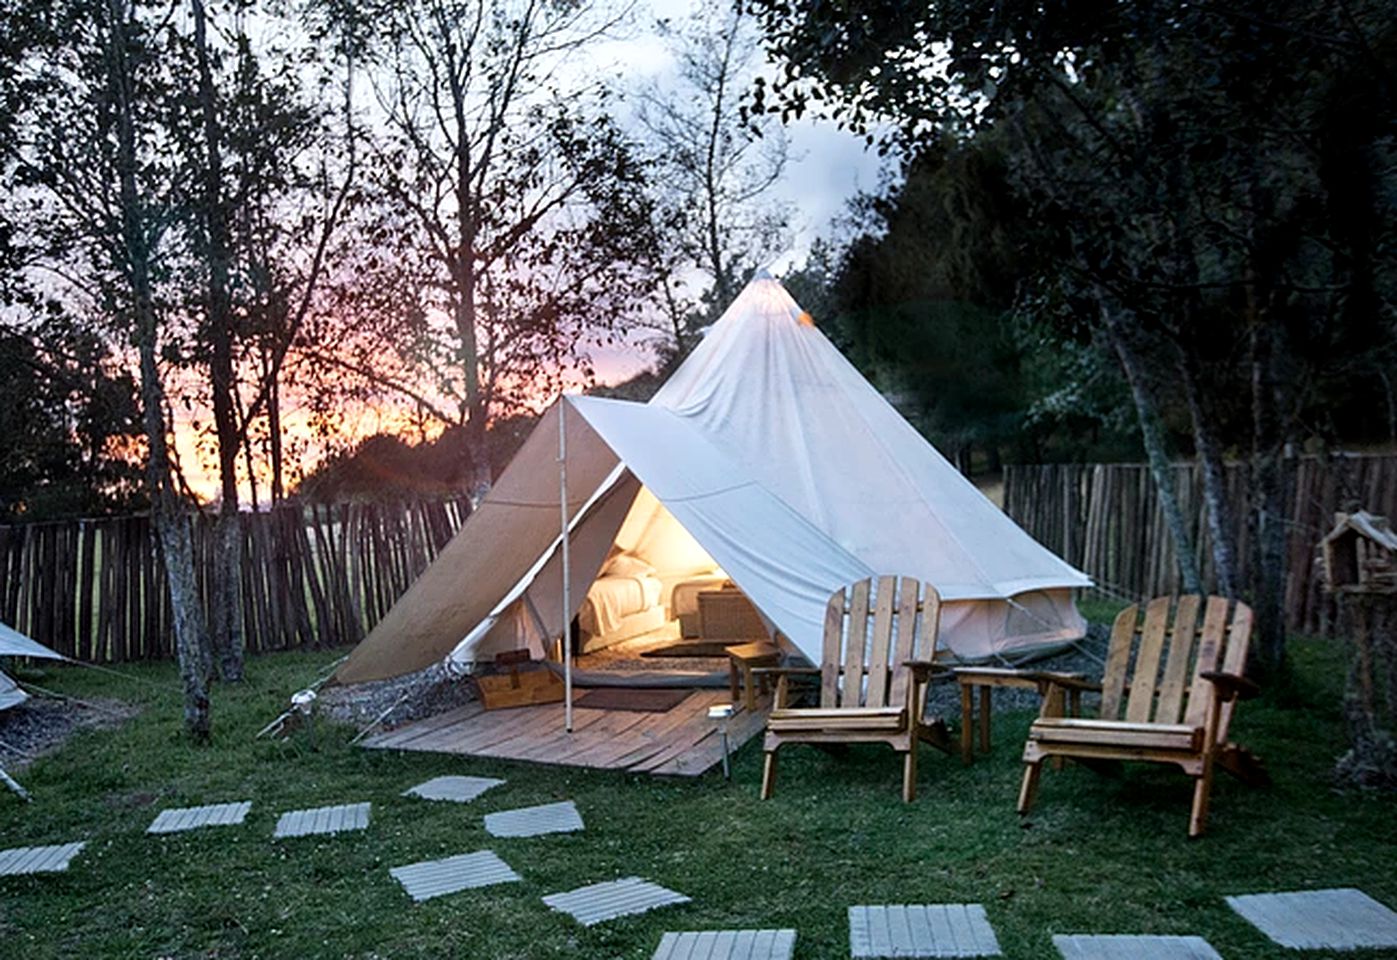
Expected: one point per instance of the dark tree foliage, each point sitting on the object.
(385, 467)
(70, 426)
(923, 301)
(1212, 190)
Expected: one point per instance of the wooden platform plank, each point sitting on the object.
(554, 745)
(682, 741)
(673, 727)
(602, 741)
(401, 736)
(707, 750)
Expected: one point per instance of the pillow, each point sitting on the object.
(626, 565)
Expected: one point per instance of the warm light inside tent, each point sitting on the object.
(650, 579)
(651, 533)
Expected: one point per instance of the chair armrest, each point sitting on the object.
(1044, 678)
(1072, 681)
(1230, 685)
(923, 670)
(971, 674)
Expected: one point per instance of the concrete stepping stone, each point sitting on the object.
(455, 789)
(54, 859)
(1132, 947)
(1342, 919)
(178, 819)
(727, 945)
(535, 821)
(936, 930)
(615, 898)
(301, 823)
(466, 871)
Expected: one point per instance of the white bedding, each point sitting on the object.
(611, 599)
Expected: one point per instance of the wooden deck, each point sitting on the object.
(682, 742)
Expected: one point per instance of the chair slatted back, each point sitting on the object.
(1153, 665)
(872, 628)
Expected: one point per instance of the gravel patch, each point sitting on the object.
(422, 694)
(1087, 657)
(41, 725)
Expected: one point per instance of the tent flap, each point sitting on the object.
(501, 539)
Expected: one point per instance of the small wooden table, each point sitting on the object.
(741, 659)
(987, 678)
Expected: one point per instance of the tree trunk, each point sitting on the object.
(170, 520)
(274, 448)
(1152, 434)
(464, 273)
(1269, 511)
(1222, 524)
(226, 602)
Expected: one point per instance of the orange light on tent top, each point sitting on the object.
(805, 320)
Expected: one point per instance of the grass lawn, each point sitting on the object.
(1100, 855)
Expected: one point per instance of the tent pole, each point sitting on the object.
(567, 564)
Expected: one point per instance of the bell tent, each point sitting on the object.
(766, 461)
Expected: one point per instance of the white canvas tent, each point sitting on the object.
(15, 644)
(781, 462)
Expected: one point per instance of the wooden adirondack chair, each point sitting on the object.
(1177, 716)
(872, 684)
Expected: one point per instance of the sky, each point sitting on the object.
(826, 168)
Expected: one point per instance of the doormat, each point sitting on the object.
(632, 698)
(694, 648)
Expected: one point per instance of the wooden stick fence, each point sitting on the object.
(1105, 519)
(312, 576)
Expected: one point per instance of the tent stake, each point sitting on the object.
(567, 564)
(10, 782)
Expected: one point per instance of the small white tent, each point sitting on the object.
(15, 644)
(781, 463)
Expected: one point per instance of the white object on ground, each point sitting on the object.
(345, 816)
(1342, 919)
(456, 789)
(190, 818)
(727, 945)
(1134, 947)
(535, 821)
(934, 930)
(38, 859)
(615, 898)
(466, 871)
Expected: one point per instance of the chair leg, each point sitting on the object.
(967, 724)
(1202, 792)
(769, 774)
(909, 773)
(1033, 769)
